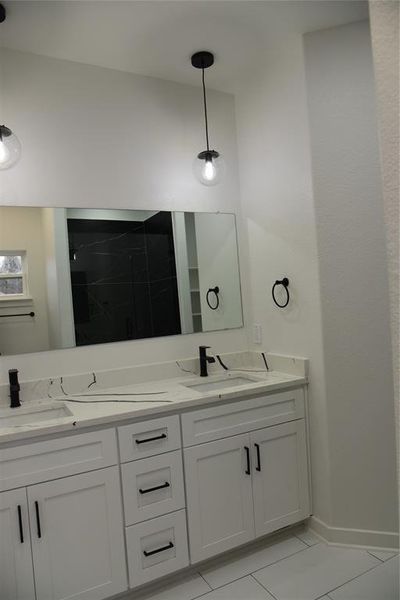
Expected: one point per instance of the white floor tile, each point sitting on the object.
(382, 583)
(314, 572)
(382, 554)
(243, 589)
(249, 562)
(308, 537)
(186, 588)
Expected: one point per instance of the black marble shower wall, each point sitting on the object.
(123, 276)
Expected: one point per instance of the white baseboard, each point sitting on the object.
(384, 540)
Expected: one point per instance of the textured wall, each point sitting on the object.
(385, 22)
(353, 276)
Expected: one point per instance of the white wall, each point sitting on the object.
(353, 276)
(278, 207)
(95, 137)
(385, 29)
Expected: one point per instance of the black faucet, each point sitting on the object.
(14, 388)
(204, 359)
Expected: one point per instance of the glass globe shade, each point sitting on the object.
(10, 148)
(209, 167)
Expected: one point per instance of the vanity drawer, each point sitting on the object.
(208, 424)
(156, 548)
(148, 438)
(41, 461)
(152, 487)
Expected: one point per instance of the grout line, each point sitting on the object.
(205, 581)
(352, 579)
(280, 559)
(304, 541)
(373, 555)
(220, 587)
(260, 569)
(263, 586)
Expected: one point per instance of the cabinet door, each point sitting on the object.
(219, 496)
(16, 571)
(280, 476)
(77, 537)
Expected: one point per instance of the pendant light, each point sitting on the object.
(209, 164)
(10, 148)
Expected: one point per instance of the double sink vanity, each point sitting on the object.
(109, 489)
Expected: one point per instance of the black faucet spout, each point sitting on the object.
(204, 359)
(14, 388)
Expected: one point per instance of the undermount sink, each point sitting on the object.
(210, 386)
(22, 416)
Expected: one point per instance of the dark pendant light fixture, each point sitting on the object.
(208, 165)
(10, 148)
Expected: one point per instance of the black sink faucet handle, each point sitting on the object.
(204, 359)
(14, 388)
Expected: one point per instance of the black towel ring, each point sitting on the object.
(285, 283)
(214, 290)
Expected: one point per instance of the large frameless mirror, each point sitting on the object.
(75, 277)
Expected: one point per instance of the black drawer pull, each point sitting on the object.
(153, 489)
(157, 550)
(258, 467)
(248, 472)
(152, 439)
(39, 528)
(21, 530)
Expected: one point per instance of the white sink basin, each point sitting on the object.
(33, 415)
(211, 386)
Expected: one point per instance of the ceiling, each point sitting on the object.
(157, 38)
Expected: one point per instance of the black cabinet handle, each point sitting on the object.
(157, 550)
(153, 489)
(21, 530)
(248, 472)
(39, 528)
(258, 467)
(152, 439)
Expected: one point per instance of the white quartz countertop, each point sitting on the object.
(105, 406)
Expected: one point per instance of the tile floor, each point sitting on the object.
(296, 567)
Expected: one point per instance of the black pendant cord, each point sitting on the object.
(205, 109)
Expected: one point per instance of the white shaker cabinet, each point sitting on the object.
(77, 537)
(280, 476)
(16, 571)
(219, 496)
(245, 486)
